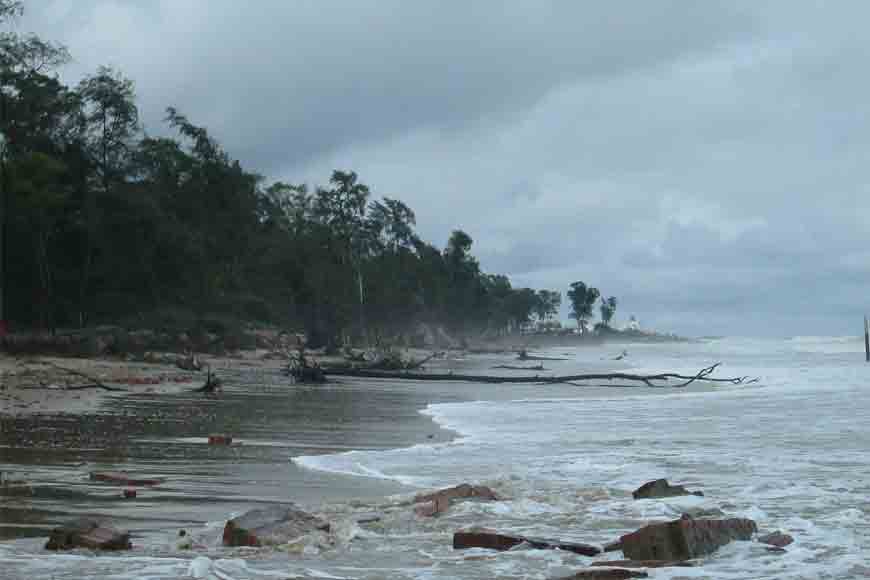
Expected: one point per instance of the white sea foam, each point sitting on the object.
(791, 452)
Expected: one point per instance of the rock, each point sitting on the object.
(685, 538)
(605, 574)
(776, 539)
(613, 546)
(129, 493)
(486, 538)
(661, 488)
(431, 504)
(88, 533)
(644, 563)
(461, 491)
(124, 478)
(277, 525)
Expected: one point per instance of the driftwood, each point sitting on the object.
(93, 383)
(212, 382)
(539, 367)
(304, 370)
(648, 380)
(523, 355)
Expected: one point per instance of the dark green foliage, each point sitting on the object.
(108, 225)
(608, 309)
(582, 299)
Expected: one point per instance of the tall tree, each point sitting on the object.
(608, 309)
(111, 121)
(582, 299)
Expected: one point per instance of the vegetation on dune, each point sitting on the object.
(105, 223)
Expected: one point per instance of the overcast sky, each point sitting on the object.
(707, 163)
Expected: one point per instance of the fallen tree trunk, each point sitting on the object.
(648, 380)
(539, 367)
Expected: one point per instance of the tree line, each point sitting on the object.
(105, 223)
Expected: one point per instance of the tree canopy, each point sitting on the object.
(108, 224)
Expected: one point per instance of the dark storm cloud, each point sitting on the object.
(705, 162)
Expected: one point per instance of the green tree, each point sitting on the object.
(548, 304)
(608, 309)
(582, 299)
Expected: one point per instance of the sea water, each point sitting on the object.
(791, 451)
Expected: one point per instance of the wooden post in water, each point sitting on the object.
(866, 340)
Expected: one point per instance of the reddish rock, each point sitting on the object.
(438, 502)
(90, 534)
(605, 574)
(776, 539)
(129, 493)
(461, 491)
(685, 538)
(644, 563)
(124, 478)
(486, 538)
(277, 525)
(661, 488)
(220, 440)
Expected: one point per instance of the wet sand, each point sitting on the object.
(164, 435)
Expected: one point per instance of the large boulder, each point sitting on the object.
(88, 533)
(661, 488)
(493, 540)
(276, 525)
(685, 538)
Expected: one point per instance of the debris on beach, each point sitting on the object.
(271, 526)
(88, 533)
(124, 478)
(660, 488)
(493, 540)
(14, 487)
(438, 502)
(685, 538)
